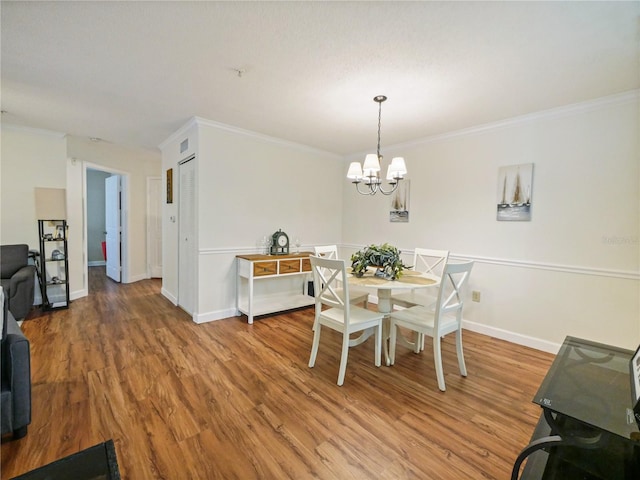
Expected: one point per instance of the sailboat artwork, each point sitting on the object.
(514, 192)
(399, 211)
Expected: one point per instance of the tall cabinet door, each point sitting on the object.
(187, 245)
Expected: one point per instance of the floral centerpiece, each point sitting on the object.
(385, 257)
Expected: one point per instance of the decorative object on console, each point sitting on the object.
(385, 257)
(280, 244)
(369, 172)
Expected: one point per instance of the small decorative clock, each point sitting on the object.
(280, 243)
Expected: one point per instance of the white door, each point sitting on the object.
(112, 225)
(186, 237)
(154, 227)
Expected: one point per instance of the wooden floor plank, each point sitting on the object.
(228, 400)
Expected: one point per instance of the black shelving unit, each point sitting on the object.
(54, 264)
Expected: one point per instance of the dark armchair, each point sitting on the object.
(17, 278)
(15, 364)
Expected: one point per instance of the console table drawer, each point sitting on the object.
(265, 268)
(306, 265)
(289, 266)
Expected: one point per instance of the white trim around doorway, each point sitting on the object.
(125, 206)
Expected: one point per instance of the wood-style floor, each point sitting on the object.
(228, 400)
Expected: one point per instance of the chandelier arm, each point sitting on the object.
(372, 189)
(388, 192)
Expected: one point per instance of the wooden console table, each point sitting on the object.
(271, 268)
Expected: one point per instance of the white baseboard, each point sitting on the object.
(213, 316)
(501, 334)
(512, 337)
(78, 294)
(136, 278)
(495, 332)
(96, 263)
(165, 293)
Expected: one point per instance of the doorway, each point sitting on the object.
(95, 222)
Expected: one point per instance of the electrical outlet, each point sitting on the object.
(475, 296)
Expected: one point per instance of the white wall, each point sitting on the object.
(571, 270)
(249, 186)
(138, 164)
(78, 286)
(30, 158)
(37, 158)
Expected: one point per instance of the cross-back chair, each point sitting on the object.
(430, 262)
(356, 296)
(444, 319)
(333, 310)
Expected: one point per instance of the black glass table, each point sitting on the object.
(587, 430)
(95, 463)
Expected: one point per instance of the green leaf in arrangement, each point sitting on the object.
(385, 257)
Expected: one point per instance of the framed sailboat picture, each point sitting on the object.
(399, 211)
(514, 192)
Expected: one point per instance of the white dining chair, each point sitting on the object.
(356, 296)
(444, 319)
(338, 314)
(430, 262)
(426, 261)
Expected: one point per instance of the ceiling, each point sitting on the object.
(132, 73)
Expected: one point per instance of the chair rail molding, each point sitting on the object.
(574, 269)
(238, 250)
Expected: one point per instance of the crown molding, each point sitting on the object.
(264, 138)
(572, 109)
(34, 131)
(199, 121)
(178, 134)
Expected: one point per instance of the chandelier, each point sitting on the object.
(369, 172)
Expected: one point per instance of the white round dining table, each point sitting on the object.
(409, 280)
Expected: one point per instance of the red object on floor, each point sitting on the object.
(104, 250)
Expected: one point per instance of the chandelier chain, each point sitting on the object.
(379, 123)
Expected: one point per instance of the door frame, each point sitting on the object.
(124, 222)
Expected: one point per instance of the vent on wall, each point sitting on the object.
(184, 145)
